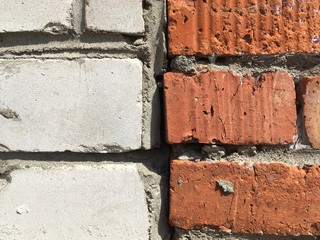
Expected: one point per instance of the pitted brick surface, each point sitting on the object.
(206, 27)
(220, 107)
(268, 198)
(310, 97)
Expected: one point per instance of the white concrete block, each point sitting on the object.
(89, 105)
(28, 15)
(74, 203)
(122, 16)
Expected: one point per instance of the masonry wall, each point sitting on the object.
(80, 117)
(241, 104)
(178, 119)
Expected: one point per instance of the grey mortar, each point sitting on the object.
(209, 234)
(298, 65)
(155, 65)
(282, 154)
(149, 48)
(213, 151)
(184, 64)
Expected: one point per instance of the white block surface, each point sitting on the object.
(89, 105)
(76, 203)
(30, 15)
(122, 16)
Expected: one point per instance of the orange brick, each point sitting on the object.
(220, 27)
(310, 96)
(269, 198)
(219, 107)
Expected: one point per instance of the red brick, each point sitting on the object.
(272, 198)
(310, 96)
(219, 107)
(221, 27)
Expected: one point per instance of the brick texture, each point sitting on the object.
(76, 105)
(310, 96)
(35, 16)
(84, 202)
(219, 107)
(218, 27)
(125, 16)
(264, 198)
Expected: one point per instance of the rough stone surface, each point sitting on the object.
(74, 203)
(219, 27)
(124, 16)
(88, 105)
(219, 107)
(310, 98)
(268, 198)
(35, 16)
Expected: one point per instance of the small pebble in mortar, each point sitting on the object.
(226, 186)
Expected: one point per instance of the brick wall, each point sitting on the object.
(153, 119)
(80, 120)
(241, 110)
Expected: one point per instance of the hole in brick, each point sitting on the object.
(214, 10)
(263, 11)
(245, 113)
(185, 19)
(200, 30)
(247, 38)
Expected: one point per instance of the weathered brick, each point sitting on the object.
(86, 105)
(219, 27)
(74, 202)
(124, 16)
(310, 98)
(36, 16)
(269, 198)
(219, 107)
